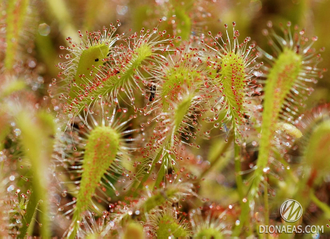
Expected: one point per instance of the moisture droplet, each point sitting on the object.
(17, 132)
(44, 29)
(121, 10)
(269, 24)
(32, 64)
(2, 156)
(10, 188)
(237, 222)
(266, 170)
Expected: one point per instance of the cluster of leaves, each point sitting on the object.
(138, 125)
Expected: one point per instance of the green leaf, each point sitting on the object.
(101, 151)
(133, 230)
(280, 81)
(16, 15)
(37, 141)
(317, 152)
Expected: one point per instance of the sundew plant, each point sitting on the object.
(164, 119)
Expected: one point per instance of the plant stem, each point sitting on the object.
(29, 217)
(161, 174)
(242, 218)
(239, 183)
(146, 176)
(62, 15)
(37, 147)
(324, 207)
(238, 176)
(266, 203)
(216, 158)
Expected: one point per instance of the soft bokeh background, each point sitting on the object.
(62, 18)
